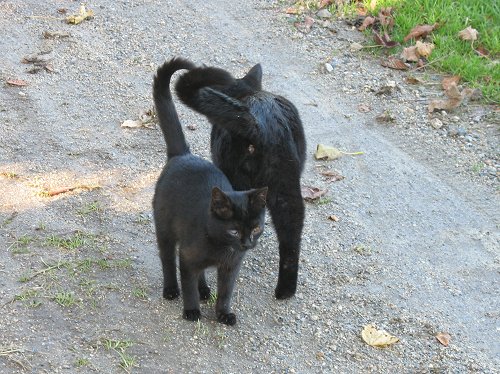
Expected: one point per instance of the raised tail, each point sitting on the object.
(165, 108)
(214, 93)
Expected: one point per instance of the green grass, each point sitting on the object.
(452, 55)
(65, 299)
(73, 242)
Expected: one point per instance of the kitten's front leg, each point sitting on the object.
(226, 279)
(203, 288)
(190, 294)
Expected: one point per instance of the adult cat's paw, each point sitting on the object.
(284, 292)
(227, 318)
(171, 293)
(192, 314)
(204, 293)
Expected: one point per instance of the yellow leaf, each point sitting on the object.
(377, 338)
(324, 152)
(82, 15)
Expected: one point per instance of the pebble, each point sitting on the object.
(436, 123)
(328, 67)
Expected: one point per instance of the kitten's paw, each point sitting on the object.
(171, 293)
(204, 293)
(284, 292)
(192, 314)
(227, 318)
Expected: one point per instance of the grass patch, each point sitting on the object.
(20, 245)
(451, 55)
(81, 362)
(65, 299)
(93, 207)
(73, 242)
(140, 293)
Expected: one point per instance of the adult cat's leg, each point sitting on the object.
(167, 256)
(226, 279)
(190, 294)
(287, 213)
(203, 288)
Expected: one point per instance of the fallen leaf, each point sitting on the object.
(420, 31)
(292, 10)
(324, 152)
(305, 26)
(455, 98)
(363, 108)
(56, 34)
(377, 338)
(312, 193)
(333, 218)
(386, 117)
(387, 89)
(447, 82)
(481, 51)
(146, 119)
(332, 176)
(468, 34)
(385, 18)
(424, 49)
(83, 14)
(413, 80)
(394, 63)
(131, 124)
(410, 54)
(443, 338)
(17, 82)
(384, 40)
(368, 21)
(355, 47)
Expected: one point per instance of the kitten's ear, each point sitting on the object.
(254, 77)
(258, 198)
(221, 205)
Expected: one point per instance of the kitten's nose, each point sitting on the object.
(247, 244)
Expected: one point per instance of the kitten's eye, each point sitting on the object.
(256, 230)
(234, 233)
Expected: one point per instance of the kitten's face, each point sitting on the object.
(237, 218)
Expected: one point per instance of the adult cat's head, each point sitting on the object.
(237, 218)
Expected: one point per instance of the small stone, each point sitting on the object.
(455, 118)
(462, 131)
(436, 123)
(324, 13)
(355, 47)
(328, 67)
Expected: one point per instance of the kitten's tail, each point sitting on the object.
(165, 108)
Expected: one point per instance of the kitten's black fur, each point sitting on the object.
(257, 140)
(196, 209)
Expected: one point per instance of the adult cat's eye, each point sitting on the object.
(256, 230)
(234, 233)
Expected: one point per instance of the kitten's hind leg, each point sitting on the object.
(167, 256)
(203, 288)
(190, 294)
(287, 212)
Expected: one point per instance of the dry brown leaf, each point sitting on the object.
(413, 80)
(377, 338)
(332, 176)
(305, 26)
(83, 14)
(333, 218)
(363, 108)
(443, 338)
(420, 31)
(394, 63)
(455, 98)
(481, 51)
(447, 82)
(386, 117)
(410, 54)
(17, 82)
(56, 34)
(384, 40)
(385, 18)
(424, 49)
(468, 34)
(368, 21)
(312, 193)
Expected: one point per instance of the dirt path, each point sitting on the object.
(415, 249)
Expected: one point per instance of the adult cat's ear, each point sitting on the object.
(254, 77)
(258, 198)
(221, 205)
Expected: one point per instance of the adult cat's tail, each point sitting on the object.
(165, 108)
(214, 93)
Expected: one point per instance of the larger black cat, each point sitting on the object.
(257, 140)
(196, 209)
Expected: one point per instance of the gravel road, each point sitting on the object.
(413, 247)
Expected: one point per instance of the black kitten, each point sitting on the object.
(196, 209)
(257, 140)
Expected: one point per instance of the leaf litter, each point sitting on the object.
(311, 194)
(377, 338)
(82, 15)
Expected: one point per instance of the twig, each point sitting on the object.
(430, 63)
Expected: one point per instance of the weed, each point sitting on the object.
(117, 345)
(81, 362)
(93, 207)
(362, 249)
(20, 245)
(212, 299)
(73, 242)
(65, 299)
(324, 201)
(476, 168)
(140, 293)
(124, 263)
(26, 294)
(103, 263)
(200, 328)
(126, 361)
